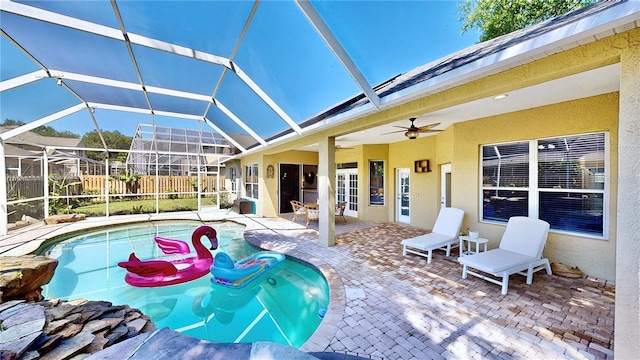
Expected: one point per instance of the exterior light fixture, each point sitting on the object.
(59, 82)
(500, 97)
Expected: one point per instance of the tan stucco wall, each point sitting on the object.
(595, 257)
(374, 212)
(268, 202)
(424, 202)
(627, 314)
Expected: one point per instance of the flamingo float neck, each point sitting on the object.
(210, 233)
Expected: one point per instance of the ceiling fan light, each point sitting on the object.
(411, 134)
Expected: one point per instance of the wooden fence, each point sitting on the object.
(94, 184)
(27, 187)
(24, 187)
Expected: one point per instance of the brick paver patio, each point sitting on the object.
(403, 308)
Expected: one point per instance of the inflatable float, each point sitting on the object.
(157, 272)
(238, 274)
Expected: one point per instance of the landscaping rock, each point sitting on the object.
(21, 277)
(66, 330)
(64, 218)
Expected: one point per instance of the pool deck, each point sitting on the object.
(386, 306)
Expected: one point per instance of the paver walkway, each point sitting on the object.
(403, 308)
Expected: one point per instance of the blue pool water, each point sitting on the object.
(282, 305)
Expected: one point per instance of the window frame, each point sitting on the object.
(251, 180)
(372, 201)
(534, 190)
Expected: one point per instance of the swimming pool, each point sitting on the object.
(283, 305)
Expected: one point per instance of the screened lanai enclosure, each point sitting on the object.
(179, 152)
(244, 75)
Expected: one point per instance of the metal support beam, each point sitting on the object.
(335, 46)
(37, 123)
(4, 212)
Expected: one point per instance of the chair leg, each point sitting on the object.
(429, 256)
(404, 250)
(530, 274)
(464, 271)
(448, 249)
(547, 266)
(505, 283)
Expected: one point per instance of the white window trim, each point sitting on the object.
(534, 191)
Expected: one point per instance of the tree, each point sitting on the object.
(113, 139)
(42, 130)
(493, 18)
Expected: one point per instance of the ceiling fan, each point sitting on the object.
(413, 131)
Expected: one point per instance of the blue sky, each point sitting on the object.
(280, 52)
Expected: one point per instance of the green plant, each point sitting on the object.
(130, 179)
(138, 209)
(171, 194)
(194, 184)
(58, 188)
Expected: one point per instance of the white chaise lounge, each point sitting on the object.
(444, 235)
(520, 250)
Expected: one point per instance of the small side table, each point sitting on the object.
(469, 249)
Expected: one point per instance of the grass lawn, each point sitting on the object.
(142, 206)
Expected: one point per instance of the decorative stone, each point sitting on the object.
(21, 277)
(71, 330)
(117, 334)
(69, 347)
(60, 312)
(99, 342)
(95, 326)
(64, 218)
(21, 326)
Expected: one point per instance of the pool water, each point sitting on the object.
(281, 305)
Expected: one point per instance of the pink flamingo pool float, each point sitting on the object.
(150, 273)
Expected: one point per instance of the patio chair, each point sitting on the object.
(298, 209)
(312, 213)
(520, 249)
(340, 210)
(443, 236)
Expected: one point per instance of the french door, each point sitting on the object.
(347, 190)
(403, 196)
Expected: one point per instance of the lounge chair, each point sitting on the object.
(444, 235)
(298, 209)
(520, 249)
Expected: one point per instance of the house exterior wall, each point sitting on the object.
(459, 145)
(290, 157)
(424, 202)
(595, 257)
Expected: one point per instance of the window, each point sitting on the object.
(234, 176)
(376, 182)
(559, 180)
(251, 181)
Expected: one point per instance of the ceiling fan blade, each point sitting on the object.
(401, 127)
(429, 131)
(427, 127)
(393, 132)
